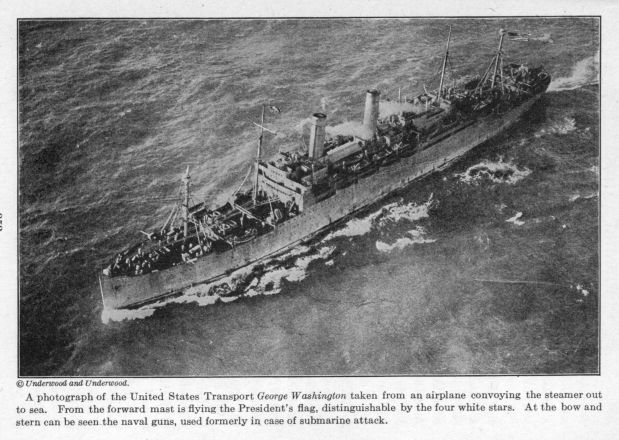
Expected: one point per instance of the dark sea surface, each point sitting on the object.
(112, 112)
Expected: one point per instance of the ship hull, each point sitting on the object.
(126, 292)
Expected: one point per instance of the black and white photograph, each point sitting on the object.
(346, 196)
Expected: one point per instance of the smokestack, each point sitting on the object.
(370, 116)
(317, 135)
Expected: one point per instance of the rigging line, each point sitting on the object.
(243, 182)
(161, 199)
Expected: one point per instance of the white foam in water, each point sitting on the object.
(575, 197)
(563, 126)
(582, 290)
(358, 226)
(354, 227)
(294, 252)
(298, 272)
(515, 219)
(508, 172)
(268, 284)
(120, 315)
(409, 211)
(198, 294)
(393, 212)
(584, 72)
(272, 277)
(416, 236)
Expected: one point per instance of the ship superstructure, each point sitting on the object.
(294, 195)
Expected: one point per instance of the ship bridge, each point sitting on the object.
(302, 180)
(275, 183)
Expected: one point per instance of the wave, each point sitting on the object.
(270, 283)
(497, 172)
(117, 315)
(585, 72)
(562, 126)
(391, 213)
(575, 197)
(416, 236)
(516, 219)
(266, 278)
(580, 289)
(358, 226)
(410, 211)
(249, 281)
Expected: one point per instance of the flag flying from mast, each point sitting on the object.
(525, 36)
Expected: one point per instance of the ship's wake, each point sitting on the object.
(497, 172)
(263, 278)
(358, 226)
(391, 213)
(116, 315)
(414, 236)
(585, 72)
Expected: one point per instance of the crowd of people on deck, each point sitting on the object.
(169, 246)
(159, 252)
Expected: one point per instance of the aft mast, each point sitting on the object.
(186, 179)
(495, 64)
(440, 86)
(255, 195)
(497, 60)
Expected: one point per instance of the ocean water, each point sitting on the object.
(490, 267)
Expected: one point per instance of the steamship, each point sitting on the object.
(296, 195)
